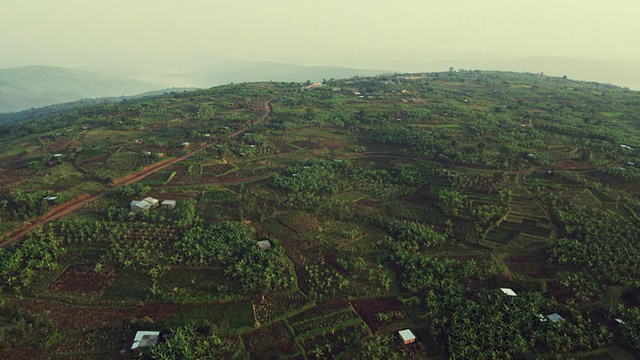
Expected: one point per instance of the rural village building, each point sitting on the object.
(406, 336)
(264, 245)
(508, 291)
(144, 204)
(145, 339)
(555, 317)
(168, 204)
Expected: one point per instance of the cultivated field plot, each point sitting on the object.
(84, 279)
(333, 343)
(278, 305)
(185, 284)
(269, 342)
(227, 316)
(377, 313)
(79, 318)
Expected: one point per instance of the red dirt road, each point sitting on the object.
(75, 204)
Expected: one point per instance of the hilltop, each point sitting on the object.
(494, 214)
(32, 87)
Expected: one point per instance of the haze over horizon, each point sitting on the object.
(586, 40)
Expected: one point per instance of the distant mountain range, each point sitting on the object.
(31, 87)
(36, 86)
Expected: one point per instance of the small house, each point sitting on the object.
(555, 318)
(145, 339)
(406, 336)
(138, 206)
(143, 205)
(57, 155)
(508, 292)
(168, 204)
(51, 197)
(264, 245)
(185, 144)
(153, 201)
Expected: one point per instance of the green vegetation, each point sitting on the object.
(407, 205)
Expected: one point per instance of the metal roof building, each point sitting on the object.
(145, 339)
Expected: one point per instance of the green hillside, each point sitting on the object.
(405, 201)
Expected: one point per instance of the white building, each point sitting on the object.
(406, 336)
(144, 204)
(145, 339)
(168, 204)
(264, 244)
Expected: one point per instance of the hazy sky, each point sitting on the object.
(358, 33)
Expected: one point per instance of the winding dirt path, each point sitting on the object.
(75, 204)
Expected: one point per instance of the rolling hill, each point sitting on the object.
(492, 214)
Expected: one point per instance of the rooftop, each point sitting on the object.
(508, 291)
(406, 335)
(555, 317)
(264, 244)
(145, 339)
(150, 200)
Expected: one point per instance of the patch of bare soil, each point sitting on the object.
(83, 279)
(69, 317)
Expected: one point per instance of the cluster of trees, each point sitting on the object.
(381, 347)
(360, 269)
(628, 173)
(324, 281)
(251, 145)
(441, 146)
(128, 192)
(189, 342)
(19, 265)
(493, 325)
(600, 240)
(19, 329)
(310, 184)
(233, 246)
(437, 284)
(22, 205)
(630, 328)
(412, 235)
(228, 244)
